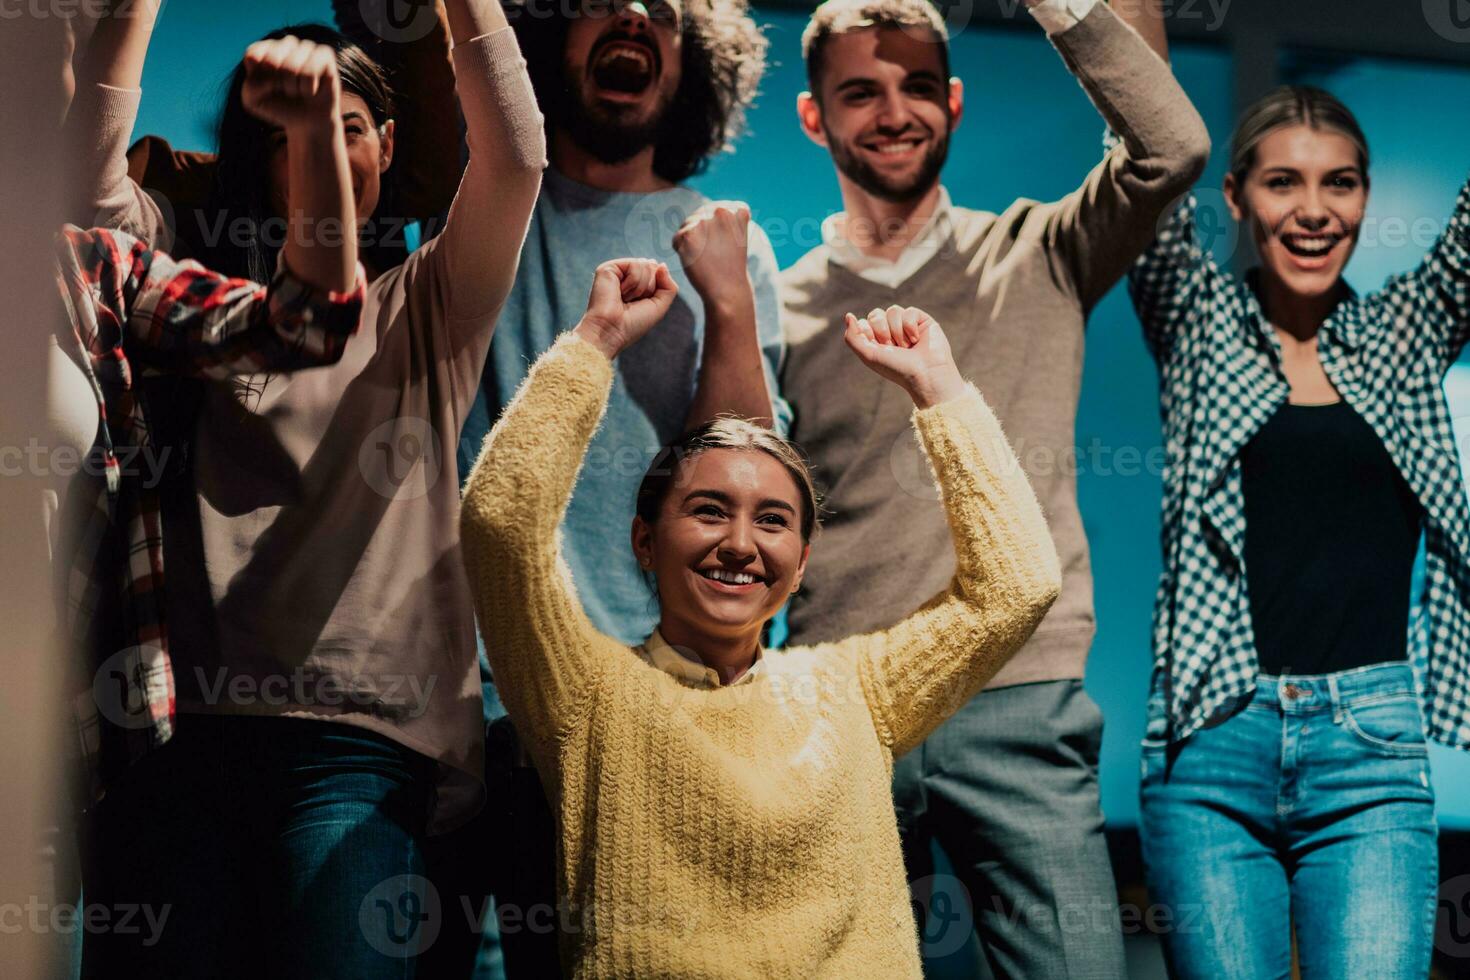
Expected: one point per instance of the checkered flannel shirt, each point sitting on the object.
(135, 312)
(1221, 379)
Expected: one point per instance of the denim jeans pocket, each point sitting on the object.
(1391, 724)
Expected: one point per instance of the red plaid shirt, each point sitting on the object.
(135, 312)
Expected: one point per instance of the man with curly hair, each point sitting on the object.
(1009, 785)
(637, 96)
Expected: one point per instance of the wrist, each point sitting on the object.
(315, 130)
(599, 336)
(937, 387)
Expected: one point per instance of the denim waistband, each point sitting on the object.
(1320, 692)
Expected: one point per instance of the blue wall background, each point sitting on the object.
(1028, 132)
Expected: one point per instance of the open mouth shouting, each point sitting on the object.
(1311, 250)
(624, 68)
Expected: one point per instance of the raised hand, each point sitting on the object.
(906, 346)
(712, 248)
(292, 83)
(628, 297)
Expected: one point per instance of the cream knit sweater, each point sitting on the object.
(745, 831)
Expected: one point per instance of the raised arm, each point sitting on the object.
(478, 250)
(109, 76)
(410, 38)
(1100, 228)
(180, 318)
(713, 245)
(293, 84)
(545, 652)
(1436, 295)
(1170, 276)
(917, 673)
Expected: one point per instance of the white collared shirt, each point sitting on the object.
(890, 272)
(657, 652)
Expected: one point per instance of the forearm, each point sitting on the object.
(1137, 95)
(119, 45)
(480, 246)
(540, 642)
(732, 376)
(1007, 575)
(321, 243)
(101, 193)
(430, 156)
(469, 19)
(1147, 18)
(183, 319)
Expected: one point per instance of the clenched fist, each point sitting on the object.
(291, 83)
(628, 297)
(906, 346)
(712, 248)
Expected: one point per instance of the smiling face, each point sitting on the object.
(369, 153)
(885, 110)
(727, 547)
(1303, 199)
(622, 65)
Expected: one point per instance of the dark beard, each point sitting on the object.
(601, 132)
(860, 173)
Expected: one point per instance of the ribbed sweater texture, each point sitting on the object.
(742, 831)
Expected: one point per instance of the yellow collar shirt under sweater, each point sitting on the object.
(744, 830)
(657, 652)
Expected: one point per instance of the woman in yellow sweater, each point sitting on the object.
(725, 811)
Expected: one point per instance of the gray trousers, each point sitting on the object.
(1008, 789)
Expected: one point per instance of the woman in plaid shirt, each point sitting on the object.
(1285, 772)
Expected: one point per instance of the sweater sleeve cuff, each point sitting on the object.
(336, 313)
(581, 358)
(496, 58)
(1056, 16)
(110, 114)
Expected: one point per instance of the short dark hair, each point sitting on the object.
(843, 16)
(728, 432)
(724, 57)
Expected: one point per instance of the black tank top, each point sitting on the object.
(1331, 530)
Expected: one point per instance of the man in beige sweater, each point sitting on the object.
(1009, 785)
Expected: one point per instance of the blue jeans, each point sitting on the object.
(264, 847)
(1309, 807)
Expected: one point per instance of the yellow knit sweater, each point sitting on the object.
(744, 831)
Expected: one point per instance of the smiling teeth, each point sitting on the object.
(733, 578)
(896, 148)
(1312, 245)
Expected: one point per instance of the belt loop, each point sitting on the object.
(1336, 699)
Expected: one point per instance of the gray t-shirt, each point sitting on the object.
(574, 229)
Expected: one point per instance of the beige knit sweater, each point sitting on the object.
(1013, 291)
(744, 831)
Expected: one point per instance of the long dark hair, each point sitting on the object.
(243, 243)
(724, 57)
